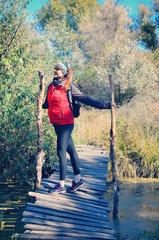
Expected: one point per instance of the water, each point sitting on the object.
(13, 199)
(138, 202)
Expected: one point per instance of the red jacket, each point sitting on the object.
(59, 107)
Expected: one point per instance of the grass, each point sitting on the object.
(4, 233)
(153, 235)
(92, 128)
(137, 142)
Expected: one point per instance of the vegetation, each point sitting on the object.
(154, 235)
(137, 136)
(97, 40)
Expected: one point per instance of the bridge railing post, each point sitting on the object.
(40, 153)
(113, 156)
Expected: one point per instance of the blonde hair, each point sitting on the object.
(68, 79)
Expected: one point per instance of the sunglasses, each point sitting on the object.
(56, 69)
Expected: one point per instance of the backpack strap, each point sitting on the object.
(74, 105)
(69, 96)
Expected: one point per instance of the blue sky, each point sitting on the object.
(132, 4)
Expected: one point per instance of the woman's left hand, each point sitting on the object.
(114, 105)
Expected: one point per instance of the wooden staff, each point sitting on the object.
(113, 156)
(40, 153)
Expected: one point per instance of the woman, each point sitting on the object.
(61, 117)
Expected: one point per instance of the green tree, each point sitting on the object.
(147, 29)
(12, 18)
(148, 35)
(55, 10)
(20, 62)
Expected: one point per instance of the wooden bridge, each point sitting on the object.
(80, 215)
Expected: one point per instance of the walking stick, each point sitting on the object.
(40, 153)
(113, 156)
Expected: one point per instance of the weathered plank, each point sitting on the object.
(76, 211)
(91, 189)
(88, 185)
(52, 234)
(70, 205)
(51, 222)
(49, 215)
(93, 185)
(59, 228)
(80, 204)
(78, 197)
(50, 198)
(86, 178)
(79, 194)
(66, 214)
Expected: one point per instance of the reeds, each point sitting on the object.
(149, 235)
(137, 142)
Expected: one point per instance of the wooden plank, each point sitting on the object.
(87, 179)
(62, 220)
(64, 198)
(102, 169)
(72, 210)
(94, 185)
(50, 222)
(40, 227)
(35, 236)
(72, 202)
(87, 186)
(93, 174)
(86, 166)
(84, 188)
(77, 196)
(83, 209)
(73, 205)
(51, 234)
(66, 215)
(61, 229)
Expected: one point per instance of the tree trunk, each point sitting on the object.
(113, 156)
(40, 153)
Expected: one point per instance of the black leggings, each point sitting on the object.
(65, 144)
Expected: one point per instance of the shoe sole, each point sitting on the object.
(56, 192)
(72, 191)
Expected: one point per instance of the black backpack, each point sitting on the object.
(74, 104)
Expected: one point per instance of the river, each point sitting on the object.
(138, 202)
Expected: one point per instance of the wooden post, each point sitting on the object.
(113, 156)
(40, 153)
